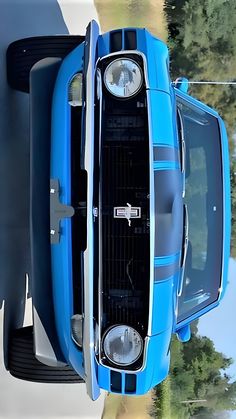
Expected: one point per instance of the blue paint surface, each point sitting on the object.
(61, 254)
(162, 306)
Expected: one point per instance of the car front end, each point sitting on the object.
(117, 174)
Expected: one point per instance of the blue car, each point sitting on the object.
(129, 210)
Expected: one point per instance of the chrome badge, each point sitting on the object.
(128, 212)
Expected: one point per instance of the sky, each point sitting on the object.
(220, 324)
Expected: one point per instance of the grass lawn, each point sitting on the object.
(162, 405)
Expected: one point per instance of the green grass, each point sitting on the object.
(162, 402)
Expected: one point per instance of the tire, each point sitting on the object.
(24, 53)
(23, 364)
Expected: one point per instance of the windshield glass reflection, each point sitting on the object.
(203, 197)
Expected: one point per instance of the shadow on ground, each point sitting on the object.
(18, 19)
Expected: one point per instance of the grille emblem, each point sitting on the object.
(128, 212)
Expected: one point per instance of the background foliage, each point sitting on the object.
(198, 385)
(202, 41)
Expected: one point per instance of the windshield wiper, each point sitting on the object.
(184, 251)
(182, 147)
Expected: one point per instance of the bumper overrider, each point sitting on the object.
(88, 360)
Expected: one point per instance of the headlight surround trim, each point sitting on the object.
(127, 341)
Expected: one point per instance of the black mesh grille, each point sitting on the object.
(125, 179)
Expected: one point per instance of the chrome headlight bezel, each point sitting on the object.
(118, 91)
(135, 347)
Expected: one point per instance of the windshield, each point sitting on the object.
(203, 197)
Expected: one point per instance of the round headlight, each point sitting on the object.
(122, 345)
(77, 329)
(123, 78)
(75, 90)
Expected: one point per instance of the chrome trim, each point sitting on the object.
(100, 306)
(184, 250)
(127, 371)
(134, 52)
(182, 150)
(152, 217)
(88, 326)
(220, 289)
(115, 327)
(212, 112)
(123, 96)
(128, 212)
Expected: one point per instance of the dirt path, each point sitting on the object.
(140, 13)
(127, 407)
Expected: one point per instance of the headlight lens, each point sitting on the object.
(122, 345)
(75, 90)
(77, 329)
(123, 78)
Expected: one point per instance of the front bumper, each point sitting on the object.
(81, 59)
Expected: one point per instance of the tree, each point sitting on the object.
(202, 40)
(197, 375)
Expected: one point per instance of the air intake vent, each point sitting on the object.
(130, 383)
(130, 40)
(78, 201)
(116, 381)
(116, 41)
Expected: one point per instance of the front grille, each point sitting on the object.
(125, 179)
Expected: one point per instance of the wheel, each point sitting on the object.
(23, 364)
(24, 53)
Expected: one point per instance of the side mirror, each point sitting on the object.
(184, 334)
(181, 83)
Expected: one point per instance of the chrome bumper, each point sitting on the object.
(88, 324)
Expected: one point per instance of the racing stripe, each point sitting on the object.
(162, 152)
(165, 165)
(166, 266)
(166, 260)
